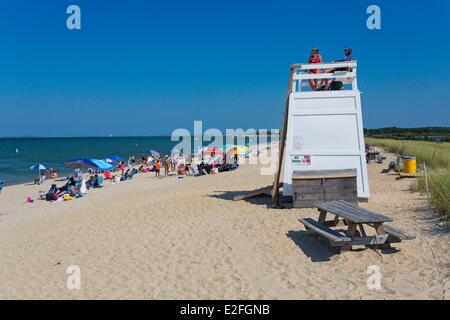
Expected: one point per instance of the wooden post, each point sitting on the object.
(351, 229)
(282, 144)
(426, 183)
(322, 216)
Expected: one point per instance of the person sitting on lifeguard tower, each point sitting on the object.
(348, 57)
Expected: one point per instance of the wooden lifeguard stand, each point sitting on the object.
(321, 130)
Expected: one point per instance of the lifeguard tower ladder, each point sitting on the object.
(322, 130)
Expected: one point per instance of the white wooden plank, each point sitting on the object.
(319, 76)
(328, 65)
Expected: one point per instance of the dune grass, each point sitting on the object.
(437, 158)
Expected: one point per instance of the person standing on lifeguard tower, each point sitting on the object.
(315, 57)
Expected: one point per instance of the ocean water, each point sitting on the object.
(53, 152)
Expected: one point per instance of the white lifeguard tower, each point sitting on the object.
(322, 130)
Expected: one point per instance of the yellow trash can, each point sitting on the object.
(409, 165)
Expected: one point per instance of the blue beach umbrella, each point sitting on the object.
(101, 164)
(38, 167)
(115, 158)
(89, 163)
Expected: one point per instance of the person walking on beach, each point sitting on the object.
(173, 163)
(157, 167)
(166, 165)
(235, 153)
(315, 57)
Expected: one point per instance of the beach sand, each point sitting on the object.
(185, 238)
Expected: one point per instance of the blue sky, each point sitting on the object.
(148, 67)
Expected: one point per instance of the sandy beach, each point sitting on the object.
(169, 238)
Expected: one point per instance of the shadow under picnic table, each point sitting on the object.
(315, 248)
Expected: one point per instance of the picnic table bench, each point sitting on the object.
(354, 219)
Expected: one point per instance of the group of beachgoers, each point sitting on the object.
(316, 57)
(77, 184)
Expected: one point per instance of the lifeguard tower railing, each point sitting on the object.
(298, 87)
(342, 71)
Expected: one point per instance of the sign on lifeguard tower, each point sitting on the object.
(322, 130)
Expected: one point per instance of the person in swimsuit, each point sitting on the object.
(315, 57)
(166, 165)
(157, 167)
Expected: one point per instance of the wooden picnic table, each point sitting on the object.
(355, 219)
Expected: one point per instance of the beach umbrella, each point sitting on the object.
(150, 160)
(113, 159)
(241, 150)
(155, 154)
(217, 160)
(38, 167)
(78, 163)
(213, 150)
(228, 147)
(89, 163)
(101, 164)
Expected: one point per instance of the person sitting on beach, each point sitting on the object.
(107, 175)
(65, 188)
(201, 168)
(122, 167)
(143, 158)
(53, 173)
(315, 57)
(204, 168)
(126, 175)
(181, 170)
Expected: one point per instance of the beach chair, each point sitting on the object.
(74, 192)
(133, 172)
(49, 195)
(99, 181)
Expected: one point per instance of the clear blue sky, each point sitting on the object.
(148, 67)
